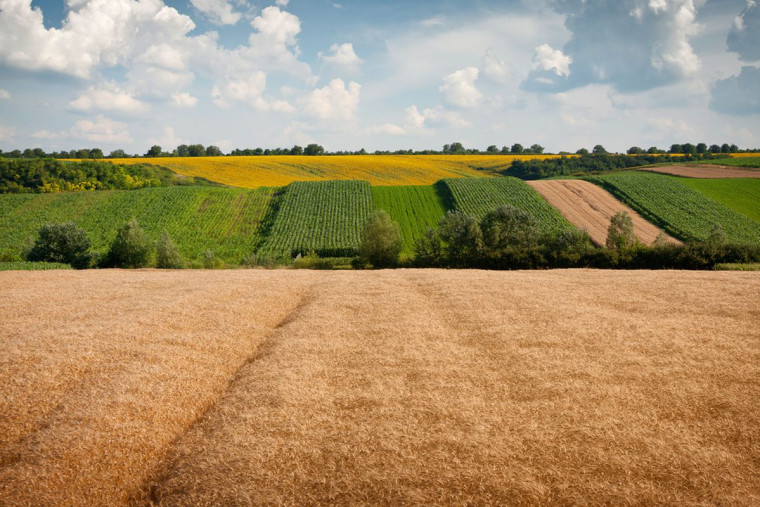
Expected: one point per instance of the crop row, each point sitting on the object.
(324, 216)
(414, 208)
(478, 197)
(682, 211)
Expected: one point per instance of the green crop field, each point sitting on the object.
(736, 162)
(677, 207)
(739, 194)
(478, 197)
(324, 216)
(223, 220)
(414, 208)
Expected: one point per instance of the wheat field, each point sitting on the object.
(277, 171)
(384, 387)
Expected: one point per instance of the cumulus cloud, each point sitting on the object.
(433, 117)
(184, 100)
(389, 129)
(101, 130)
(107, 97)
(169, 140)
(47, 135)
(738, 94)
(335, 101)
(633, 45)
(342, 55)
(4, 95)
(495, 68)
(249, 91)
(459, 88)
(744, 37)
(282, 3)
(218, 11)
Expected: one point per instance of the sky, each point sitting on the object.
(379, 75)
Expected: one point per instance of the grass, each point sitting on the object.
(31, 266)
(326, 217)
(478, 197)
(278, 171)
(414, 208)
(682, 211)
(223, 220)
(432, 387)
(738, 267)
(741, 160)
(741, 194)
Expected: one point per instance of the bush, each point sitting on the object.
(381, 240)
(62, 243)
(620, 234)
(167, 254)
(508, 227)
(462, 239)
(130, 249)
(210, 260)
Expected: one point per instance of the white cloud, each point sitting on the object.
(184, 100)
(414, 119)
(45, 134)
(335, 101)
(4, 95)
(101, 130)
(276, 35)
(218, 11)
(432, 117)
(108, 97)
(549, 59)
(459, 88)
(495, 68)
(249, 91)
(282, 3)
(168, 141)
(342, 55)
(389, 129)
(744, 37)
(436, 21)
(7, 132)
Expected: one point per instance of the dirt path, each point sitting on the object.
(590, 207)
(705, 171)
(386, 387)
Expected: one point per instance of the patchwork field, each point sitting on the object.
(277, 171)
(590, 208)
(742, 195)
(705, 171)
(414, 208)
(386, 387)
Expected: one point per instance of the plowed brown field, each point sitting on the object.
(590, 207)
(387, 387)
(705, 171)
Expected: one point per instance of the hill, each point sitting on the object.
(742, 195)
(414, 208)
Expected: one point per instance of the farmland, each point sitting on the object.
(222, 220)
(403, 387)
(678, 208)
(278, 171)
(324, 216)
(740, 160)
(742, 195)
(414, 208)
(478, 197)
(704, 171)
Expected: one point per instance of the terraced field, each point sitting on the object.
(414, 208)
(223, 220)
(324, 216)
(682, 211)
(478, 197)
(277, 171)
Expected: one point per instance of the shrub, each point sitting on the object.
(167, 254)
(381, 240)
(210, 260)
(130, 249)
(620, 232)
(62, 243)
(509, 227)
(462, 239)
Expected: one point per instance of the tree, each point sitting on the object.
(456, 148)
(314, 149)
(131, 248)
(381, 240)
(492, 149)
(296, 150)
(675, 148)
(635, 150)
(717, 237)
(714, 148)
(462, 238)
(725, 148)
(582, 151)
(96, 153)
(509, 227)
(167, 253)
(196, 150)
(701, 148)
(653, 150)
(213, 151)
(599, 150)
(65, 243)
(517, 148)
(536, 149)
(154, 151)
(620, 234)
(118, 154)
(688, 149)
(183, 151)
(82, 154)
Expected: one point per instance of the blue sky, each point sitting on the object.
(351, 74)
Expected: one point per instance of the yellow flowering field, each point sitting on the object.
(276, 171)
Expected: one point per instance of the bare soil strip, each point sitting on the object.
(705, 171)
(387, 387)
(590, 207)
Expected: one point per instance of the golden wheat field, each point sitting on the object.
(385, 387)
(277, 171)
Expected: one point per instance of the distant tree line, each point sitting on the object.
(41, 175)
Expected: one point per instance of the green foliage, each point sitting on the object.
(480, 196)
(209, 260)
(739, 194)
(461, 238)
(225, 220)
(414, 208)
(381, 240)
(132, 248)
(620, 234)
(509, 227)
(62, 243)
(167, 254)
(683, 212)
(32, 266)
(50, 175)
(323, 216)
(738, 161)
